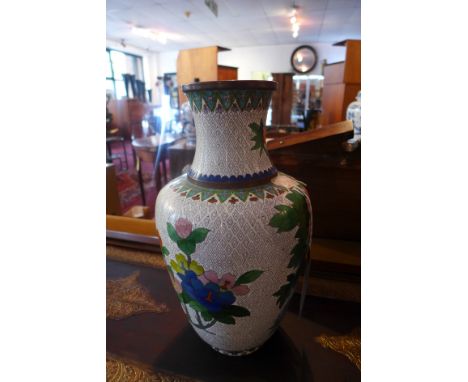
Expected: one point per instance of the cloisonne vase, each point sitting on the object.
(235, 232)
(353, 113)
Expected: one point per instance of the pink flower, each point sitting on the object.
(226, 282)
(183, 227)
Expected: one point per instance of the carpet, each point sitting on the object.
(127, 181)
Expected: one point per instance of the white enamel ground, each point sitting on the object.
(240, 240)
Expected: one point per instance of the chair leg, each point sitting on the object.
(120, 162)
(157, 175)
(140, 180)
(163, 162)
(125, 155)
(134, 156)
(157, 169)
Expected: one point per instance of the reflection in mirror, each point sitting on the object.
(304, 59)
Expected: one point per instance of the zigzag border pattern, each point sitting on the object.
(229, 100)
(189, 190)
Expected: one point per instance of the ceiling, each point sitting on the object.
(239, 22)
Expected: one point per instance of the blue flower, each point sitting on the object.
(208, 295)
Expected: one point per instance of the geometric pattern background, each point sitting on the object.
(239, 239)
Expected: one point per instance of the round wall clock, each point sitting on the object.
(304, 59)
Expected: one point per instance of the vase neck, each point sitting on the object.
(231, 149)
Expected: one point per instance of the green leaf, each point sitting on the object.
(197, 306)
(172, 233)
(197, 268)
(207, 316)
(223, 318)
(303, 231)
(236, 311)
(258, 139)
(164, 251)
(298, 253)
(248, 277)
(169, 269)
(287, 289)
(297, 198)
(184, 297)
(187, 246)
(282, 294)
(176, 267)
(198, 235)
(285, 220)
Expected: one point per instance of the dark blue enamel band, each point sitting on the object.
(233, 179)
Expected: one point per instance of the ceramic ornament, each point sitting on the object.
(234, 231)
(353, 113)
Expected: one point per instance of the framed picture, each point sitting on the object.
(170, 89)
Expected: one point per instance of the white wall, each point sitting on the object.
(167, 62)
(273, 58)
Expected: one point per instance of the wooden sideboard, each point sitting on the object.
(332, 175)
(341, 84)
(127, 115)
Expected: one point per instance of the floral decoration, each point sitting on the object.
(212, 297)
(258, 138)
(289, 217)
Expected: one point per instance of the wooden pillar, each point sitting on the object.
(282, 99)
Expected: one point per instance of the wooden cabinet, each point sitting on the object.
(127, 115)
(201, 63)
(281, 103)
(112, 194)
(226, 73)
(341, 84)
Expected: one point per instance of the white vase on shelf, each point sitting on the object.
(353, 113)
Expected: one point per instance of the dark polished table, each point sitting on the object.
(149, 339)
(180, 154)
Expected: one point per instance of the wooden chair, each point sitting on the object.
(113, 135)
(150, 149)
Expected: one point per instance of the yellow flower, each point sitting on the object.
(197, 268)
(180, 265)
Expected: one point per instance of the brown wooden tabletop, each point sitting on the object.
(180, 154)
(153, 333)
(152, 142)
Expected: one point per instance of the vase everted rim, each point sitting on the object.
(230, 85)
(230, 117)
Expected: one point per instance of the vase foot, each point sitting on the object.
(236, 353)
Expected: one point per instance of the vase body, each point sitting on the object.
(235, 232)
(353, 113)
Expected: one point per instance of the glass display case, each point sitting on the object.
(306, 103)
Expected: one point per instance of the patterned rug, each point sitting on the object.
(129, 190)
(127, 181)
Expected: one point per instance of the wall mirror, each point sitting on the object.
(304, 59)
